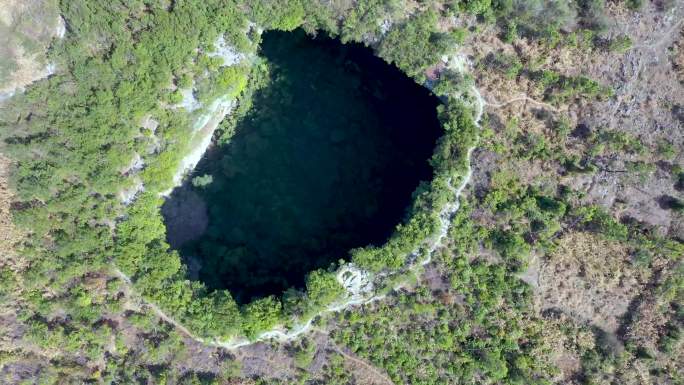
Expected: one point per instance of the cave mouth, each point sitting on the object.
(326, 160)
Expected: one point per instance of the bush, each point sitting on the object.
(597, 220)
(560, 88)
(634, 4)
(202, 181)
(509, 65)
(304, 354)
(671, 203)
(620, 44)
(415, 45)
(592, 14)
(535, 18)
(322, 287)
(513, 248)
(260, 315)
(667, 150)
(272, 14)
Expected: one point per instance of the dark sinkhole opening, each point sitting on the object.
(326, 160)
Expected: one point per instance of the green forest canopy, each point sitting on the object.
(120, 62)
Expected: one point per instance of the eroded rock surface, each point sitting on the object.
(27, 28)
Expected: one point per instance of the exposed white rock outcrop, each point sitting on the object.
(227, 52)
(201, 137)
(458, 63)
(206, 124)
(60, 32)
(136, 164)
(149, 123)
(189, 102)
(385, 26)
(128, 195)
(6, 95)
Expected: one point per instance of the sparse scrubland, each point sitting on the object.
(562, 265)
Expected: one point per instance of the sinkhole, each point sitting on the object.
(325, 160)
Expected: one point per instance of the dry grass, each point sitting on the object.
(590, 279)
(601, 260)
(9, 235)
(568, 342)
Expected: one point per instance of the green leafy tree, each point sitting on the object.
(261, 315)
(322, 287)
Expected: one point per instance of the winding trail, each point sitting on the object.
(158, 311)
(521, 98)
(363, 363)
(662, 39)
(356, 281)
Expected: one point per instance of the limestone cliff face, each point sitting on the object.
(205, 121)
(206, 124)
(27, 27)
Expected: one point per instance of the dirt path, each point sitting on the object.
(383, 377)
(665, 37)
(521, 98)
(159, 312)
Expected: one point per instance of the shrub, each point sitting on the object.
(260, 315)
(202, 181)
(509, 65)
(600, 221)
(620, 44)
(415, 45)
(666, 149)
(322, 287)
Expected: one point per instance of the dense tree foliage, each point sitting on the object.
(475, 326)
(415, 45)
(83, 127)
(120, 112)
(125, 63)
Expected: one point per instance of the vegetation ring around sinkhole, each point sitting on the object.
(326, 160)
(214, 315)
